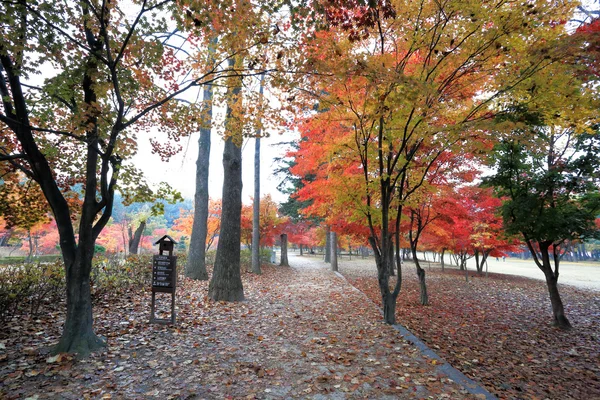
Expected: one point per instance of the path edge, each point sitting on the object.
(470, 385)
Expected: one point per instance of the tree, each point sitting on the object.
(550, 189)
(270, 224)
(226, 281)
(256, 200)
(182, 227)
(78, 125)
(135, 237)
(412, 81)
(196, 261)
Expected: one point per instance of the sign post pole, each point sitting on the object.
(164, 277)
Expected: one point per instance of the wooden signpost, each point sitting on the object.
(164, 276)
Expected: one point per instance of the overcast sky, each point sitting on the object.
(180, 171)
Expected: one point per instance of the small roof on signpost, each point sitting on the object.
(166, 238)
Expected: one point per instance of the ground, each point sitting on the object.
(305, 332)
(497, 330)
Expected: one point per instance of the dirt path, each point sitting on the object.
(303, 332)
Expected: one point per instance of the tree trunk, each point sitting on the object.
(442, 259)
(424, 298)
(78, 335)
(334, 261)
(390, 254)
(284, 256)
(558, 311)
(388, 298)
(30, 254)
(389, 309)
(327, 244)
(301, 249)
(6, 238)
(256, 208)
(226, 282)
(256, 201)
(196, 261)
(134, 239)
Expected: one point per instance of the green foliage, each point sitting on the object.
(550, 184)
(246, 258)
(210, 257)
(113, 275)
(45, 258)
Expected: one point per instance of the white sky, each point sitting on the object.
(180, 171)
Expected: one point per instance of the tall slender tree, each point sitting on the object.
(196, 261)
(226, 281)
(256, 200)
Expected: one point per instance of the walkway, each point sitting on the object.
(302, 333)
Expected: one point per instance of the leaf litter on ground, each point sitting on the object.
(300, 333)
(498, 331)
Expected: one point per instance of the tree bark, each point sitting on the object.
(256, 201)
(196, 261)
(390, 254)
(424, 298)
(334, 260)
(327, 244)
(284, 256)
(134, 239)
(226, 282)
(558, 312)
(442, 259)
(78, 335)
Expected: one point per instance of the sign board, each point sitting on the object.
(164, 272)
(164, 276)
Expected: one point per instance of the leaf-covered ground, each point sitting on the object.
(301, 333)
(498, 330)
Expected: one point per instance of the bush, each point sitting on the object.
(246, 258)
(25, 287)
(21, 259)
(113, 274)
(210, 257)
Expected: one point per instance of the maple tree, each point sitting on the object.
(270, 226)
(398, 84)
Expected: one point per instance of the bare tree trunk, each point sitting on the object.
(78, 335)
(558, 311)
(390, 255)
(334, 261)
(424, 298)
(442, 259)
(29, 255)
(256, 201)
(327, 244)
(284, 256)
(135, 238)
(196, 261)
(226, 282)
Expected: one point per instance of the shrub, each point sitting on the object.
(113, 274)
(25, 287)
(246, 258)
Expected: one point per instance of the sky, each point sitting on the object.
(180, 170)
